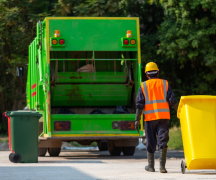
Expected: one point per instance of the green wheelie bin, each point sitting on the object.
(23, 129)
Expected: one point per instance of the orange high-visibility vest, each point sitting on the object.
(156, 105)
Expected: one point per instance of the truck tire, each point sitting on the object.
(129, 151)
(102, 145)
(54, 151)
(42, 151)
(113, 150)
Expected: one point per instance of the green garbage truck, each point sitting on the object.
(83, 77)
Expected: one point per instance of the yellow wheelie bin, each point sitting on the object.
(197, 116)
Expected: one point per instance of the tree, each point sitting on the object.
(95, 8)
(178, 35)
(17, 29)
(187, 37)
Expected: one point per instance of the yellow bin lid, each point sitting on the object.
(186, 99)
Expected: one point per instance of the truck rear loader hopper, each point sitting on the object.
(83, 64)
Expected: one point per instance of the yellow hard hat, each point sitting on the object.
(151, 66)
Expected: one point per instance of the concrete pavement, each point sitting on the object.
(95, 165)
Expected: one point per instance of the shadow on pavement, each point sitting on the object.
(71, 162)
(96, 155)
(139, 154)
(43, 172)
(200, 172)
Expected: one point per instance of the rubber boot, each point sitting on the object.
(162, 155)
(150, 166)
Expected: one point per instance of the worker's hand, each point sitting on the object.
(137, 120)
(175, 106)
(137, 124)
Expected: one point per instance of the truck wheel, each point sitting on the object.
(15, 158)
(128, 151)
(113, 150)
(42, 151)
(102, 145)
(54, 151)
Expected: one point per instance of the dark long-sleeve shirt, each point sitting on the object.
(140, 100)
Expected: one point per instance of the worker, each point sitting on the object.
(155, 95)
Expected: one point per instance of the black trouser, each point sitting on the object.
(159, 127)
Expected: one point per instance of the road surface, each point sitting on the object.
(95, 165)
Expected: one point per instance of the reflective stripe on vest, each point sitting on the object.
(155, 101)
(156, 110)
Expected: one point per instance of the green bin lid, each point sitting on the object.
(24, 113)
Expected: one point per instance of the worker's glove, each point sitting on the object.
(175, 106)
(137, 124)
(137, 120)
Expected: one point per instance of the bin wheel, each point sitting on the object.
(10, 157)
(129, 151)
(15, 158)
(183, 166)
(113, 150)
(102, 145)
(42, 151)
(54, 151)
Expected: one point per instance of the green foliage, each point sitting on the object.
(187, 36)
(4, 140)
(183, 45)
(95, 8)
(175, 141)
(178, 35)
(3, 128)
(17, 30)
